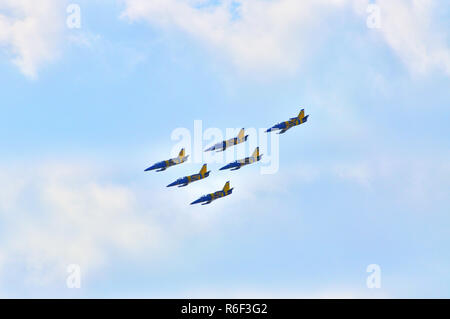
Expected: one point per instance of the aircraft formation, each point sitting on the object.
(282, 127)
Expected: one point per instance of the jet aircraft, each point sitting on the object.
(286, 125)
(248, 160)
(163, 165)
(222, 146)
(184, 181)
(207, 199)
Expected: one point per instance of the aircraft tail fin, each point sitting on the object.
(241, 133)
(181, 154)
(256, 152)
(203, 170)
(301, 114)
(226, 188)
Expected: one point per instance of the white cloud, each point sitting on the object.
(84, 39)
(56, 214)
(407, 27)
(277, 35)
(67, 215)
(30, 31)
(418, 182)
(253, 34)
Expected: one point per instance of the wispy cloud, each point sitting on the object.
(419, 181)
(277, 35)
(31, 32)
(66, 215)
(409, 28)
(58, 213)
(252, 34)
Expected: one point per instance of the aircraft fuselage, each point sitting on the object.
(184, 181)
(161, 166)
(206, 199)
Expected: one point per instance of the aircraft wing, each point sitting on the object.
(212, 148)
(218, 147)
(230, 165)
(208, 202)
(283, 131)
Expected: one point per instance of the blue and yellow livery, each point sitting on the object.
(184, 181)
(248, 160)
(294, 121)
(206, 199)
(163, 165)
(222, 146)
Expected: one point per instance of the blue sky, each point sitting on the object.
(364, 181)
